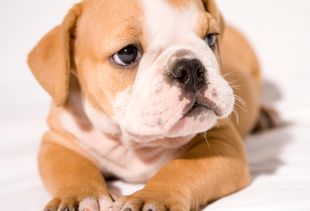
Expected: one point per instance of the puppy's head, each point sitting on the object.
(151, 66)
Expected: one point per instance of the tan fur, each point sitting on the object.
(207, 171)
(50, 61)
(102, 13)
(241, 68)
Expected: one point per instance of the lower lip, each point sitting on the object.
(184, 120)
(196, 109)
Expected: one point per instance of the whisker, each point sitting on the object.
(234, 84)
(242, 103)
(240, 100)
(236, 116)
(205, 137)
(234, 81)
(237, 87)
(228, 74)
(241, 107)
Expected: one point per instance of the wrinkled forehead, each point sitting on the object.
(114, 23)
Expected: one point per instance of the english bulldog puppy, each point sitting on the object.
(143, 90)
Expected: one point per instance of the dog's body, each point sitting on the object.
(134, 122)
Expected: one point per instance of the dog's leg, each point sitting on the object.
(74, 181)
(268, 119)
(209, 170)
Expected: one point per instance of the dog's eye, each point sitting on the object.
(127, 56)
(211, 40)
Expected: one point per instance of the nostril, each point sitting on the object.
(199, 72)
(184, 76)
(181, 74)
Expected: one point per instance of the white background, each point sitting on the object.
(278, 29)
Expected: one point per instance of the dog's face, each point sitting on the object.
(151, 66)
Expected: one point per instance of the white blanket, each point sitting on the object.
(279, 160)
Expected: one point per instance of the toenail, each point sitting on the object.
(67, 209)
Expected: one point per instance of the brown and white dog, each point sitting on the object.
(142, 91)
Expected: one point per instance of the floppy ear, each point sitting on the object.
(212, 8)
(50, 60)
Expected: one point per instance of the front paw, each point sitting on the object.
(152, 200)
(87, 203)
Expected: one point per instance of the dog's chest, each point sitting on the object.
(113, 157)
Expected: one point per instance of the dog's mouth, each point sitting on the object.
(198, 106)
(195, 109)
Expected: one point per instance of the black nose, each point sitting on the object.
(190, 73)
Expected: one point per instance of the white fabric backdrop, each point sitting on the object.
(279, 159)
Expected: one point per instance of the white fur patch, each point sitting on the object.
(89, 204)
(116, 158)
(100, 120)
(105, 204)
(166, 25)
